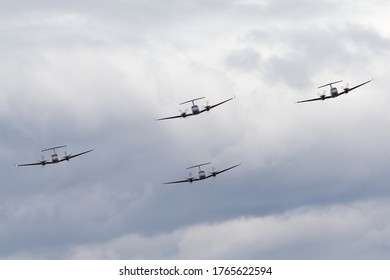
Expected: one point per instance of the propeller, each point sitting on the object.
(190, 177)
(207, 107)
(42, 161)
(214, 173)
(67, 157)
(346, 88)
(322, 96)
(183, 113)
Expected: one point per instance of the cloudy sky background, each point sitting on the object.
(313, 183)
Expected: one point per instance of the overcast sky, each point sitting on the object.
(313, 180)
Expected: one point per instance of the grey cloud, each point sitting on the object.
(289, 70)
(315, 233)
(309, 51)
(246, 60)
(364, 39)
(92, 77)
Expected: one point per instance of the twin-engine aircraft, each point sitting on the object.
(202, 174)
(195, 109)
(333, 91)
(54, 157)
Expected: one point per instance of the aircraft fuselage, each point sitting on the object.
(54, 158)
(202, 175)
(195, 109)
(334, 92)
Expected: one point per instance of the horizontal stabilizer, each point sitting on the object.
(198, 165)
(49, 149)
(330, 84)
(192, 100)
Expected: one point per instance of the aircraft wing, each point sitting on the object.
(36, 163)
(175, 117)
(183, 181)
(213, 174)
(208, 108)
(76, 155)
(314, 99)
(352, 88)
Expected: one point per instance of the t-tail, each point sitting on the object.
(330, 84)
